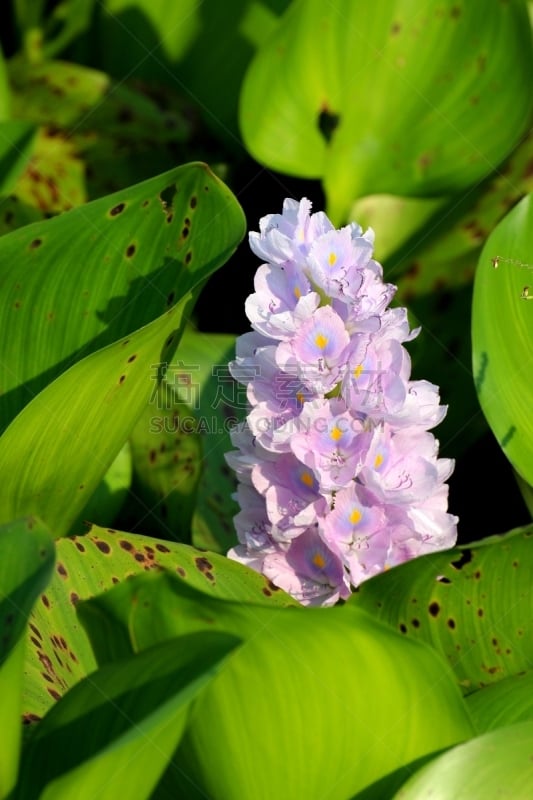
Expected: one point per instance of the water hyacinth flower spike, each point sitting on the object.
(338, 474)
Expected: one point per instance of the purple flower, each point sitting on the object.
(317, 351)
(331, 442)
(339, 476)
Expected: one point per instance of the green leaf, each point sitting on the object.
(221, 404)
(182, 485)
(503, 703)
(156, 607)
(472, 604)
(183, 224)
(64, 24)
(15, 214)
(48, 30)
(225, 58)
(167, 462)
(115, 731)
(26, 561)
(389, 98)
(502, 335)
(96, 136)
(110, 495)
(133, 36)
(16, 144)
(254, 731)
(492, 766)
(431, 245)
(59, 653)
(442, 355)
(136, 252)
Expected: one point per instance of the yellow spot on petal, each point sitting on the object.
(335, 433)
(355, 517)
(307, 478)
(321, 340)
(300, 397)
(378, 461)
(357, 371)
(297, 292)
(332, 259)
(319, 560)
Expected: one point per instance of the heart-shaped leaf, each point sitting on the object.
(390, 97)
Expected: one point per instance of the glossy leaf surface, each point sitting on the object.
(114, 732)
(59, 653)
(389, 98)
(454, 600)
(496, 765)
(502, 335)
(300, 671)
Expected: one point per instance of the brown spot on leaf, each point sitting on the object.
(181, 572)
(188, 257)
(450, 623)
(35, 630)
(122, 379)
(61, 570)
(403, 628)
(53, 693)
(162, 548)
(203, 564)
(45, 600)
(140, 557)
(130, 251)
(80, 546)
(126, 545)
(47, 664)
(74, 598)
(118, 209)
(35, 243)
(102, 546)
(434, 609)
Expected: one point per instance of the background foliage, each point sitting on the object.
(138, 662)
